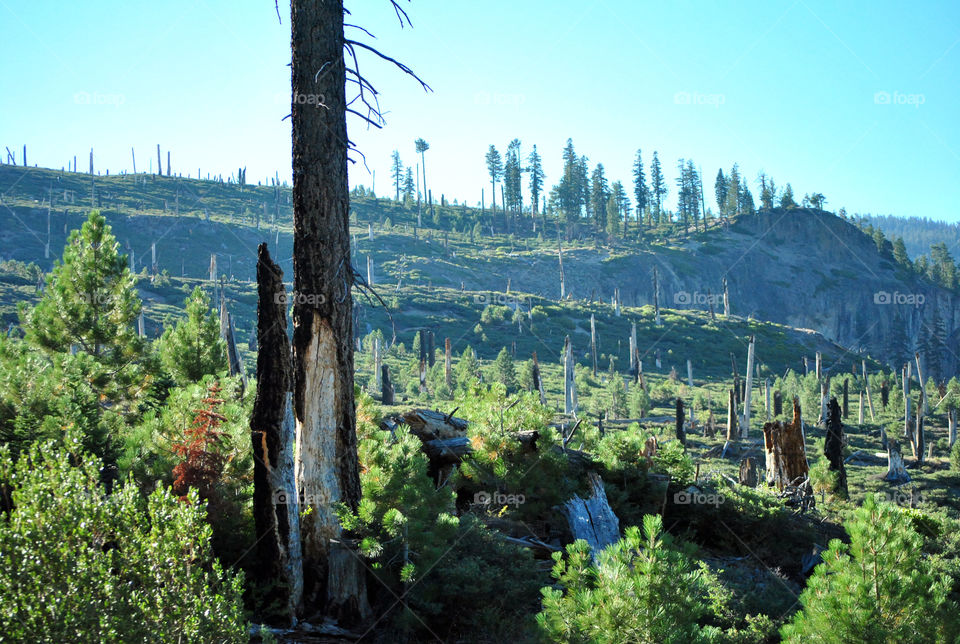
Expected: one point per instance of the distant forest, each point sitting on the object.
(918, 233)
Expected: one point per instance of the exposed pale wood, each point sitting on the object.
(745, 430)
(592, 519)
(896, 470)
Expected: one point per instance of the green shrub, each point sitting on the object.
(641, 589)
(454, 574)
(79, 562)
(880, 588)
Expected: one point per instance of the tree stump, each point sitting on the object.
(748, 472)
(786, 456)
(896, 471)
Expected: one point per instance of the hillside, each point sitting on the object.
(800, 268)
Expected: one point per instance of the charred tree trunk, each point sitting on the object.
(732, 429)
(777, 403)
(538, 380)
(447, 363)
(327, 463)
(833, 447)
(785, 451)
(386, 387)
(275, 505)
(681, 416)
(748, 472)
(846, 397)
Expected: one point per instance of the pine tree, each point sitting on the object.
(641, 192)
(536, 178)
(658, 187)
(511, 178)
(193, 348)
(90, 301)
(612, 214)
(409, 188)
(467, 369)
(495, 169)
(766, 192)
(504, 371)
(720, 188)
(900, 254)
(880, 588)
(786, 200)
(421, 147)
(731, 204)
(599, 195)
(396, 171)
(619, 195)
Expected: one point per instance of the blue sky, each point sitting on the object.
(859, 101)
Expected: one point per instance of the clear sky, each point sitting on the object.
(859, 101)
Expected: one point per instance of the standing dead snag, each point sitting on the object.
(326, 439)
(785, 451)
(276, 511)
(681, 434)
(833, 446)
(537, 380)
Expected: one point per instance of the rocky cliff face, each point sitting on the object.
(805, 268)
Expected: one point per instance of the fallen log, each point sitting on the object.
(428, 424)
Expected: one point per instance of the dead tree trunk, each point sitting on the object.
(326, 439)
(860, 416)
(633, 349)
(785, 451)
(538, 381)
(656, 297)
(563, 292)
(745, 430)
(748, 472)
(777, 403)
(448, 363)
(952, 426)
(919, 438)
(906, 401)
(592, 519)
(570, 383)
(275, 504)
(681, 416)
(386, 387)
(866, 386)
(377, 363)
(732, 429)
(593, 343)
(423, 361)
(726, 298)
(846, 397)
(833, 447)
(896, 470)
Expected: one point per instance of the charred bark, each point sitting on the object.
(833, 446)
(785, 451)
(326, 440)
(275, 509)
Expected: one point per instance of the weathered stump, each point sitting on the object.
(785, 451)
